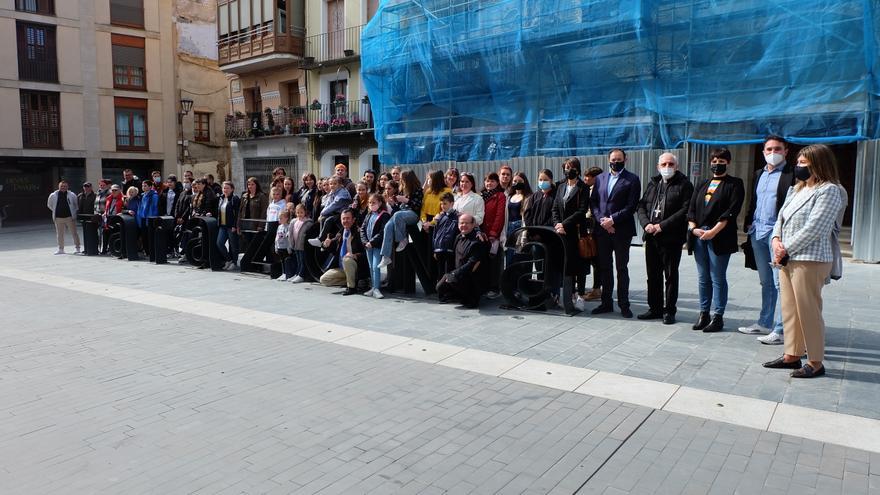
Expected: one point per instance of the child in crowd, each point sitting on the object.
(298, 230)
(445, 231)
(372, 236)
(282, 245)
(276, 206)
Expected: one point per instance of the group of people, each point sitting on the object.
(792, 222)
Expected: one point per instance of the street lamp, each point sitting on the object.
(185, 107)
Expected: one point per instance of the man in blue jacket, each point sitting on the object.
(613, 203)
(148, 207)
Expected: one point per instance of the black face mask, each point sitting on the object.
(616, 166)
(802, 173)
(518, 186)
(719, 168)
(572, 173)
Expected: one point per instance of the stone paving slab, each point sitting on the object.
(152, 400)
(728, 362)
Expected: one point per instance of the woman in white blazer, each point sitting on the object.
(468, 201)
(802, 247)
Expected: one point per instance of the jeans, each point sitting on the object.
(224, 234)
(374, 256)
(771, 309)
(712, 273)
(509, 252)
(293, 264)
(395, 229)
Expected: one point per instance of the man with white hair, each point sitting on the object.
(662, 213)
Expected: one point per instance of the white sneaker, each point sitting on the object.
(771, 338)
(282, 278)
(315, 242)
(297, 279)
(227, 265)
(78, 250)
(401, 245)
(754, 329)
(378, 294)
(60, 251)
(369, 293)
(579, 304)
(385, 262)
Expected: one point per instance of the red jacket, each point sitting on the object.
(493, 220)
(118, 205)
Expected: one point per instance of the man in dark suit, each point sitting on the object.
(613, 203)
(466, 282)
(663, 215)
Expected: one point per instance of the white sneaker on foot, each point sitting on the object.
(315, 242)
(401, 245)
(369, 293)
(78, 250)
(282, 278)
(385, 262)
(297, 279)
(378, 294)
(771, 338)
(60, 251)
(754, 329)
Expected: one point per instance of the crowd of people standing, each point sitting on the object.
(792, 223)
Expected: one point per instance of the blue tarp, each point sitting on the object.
(495, 79)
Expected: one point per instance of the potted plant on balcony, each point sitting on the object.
(340, 124)
(316, 105)
(339, 100)
(321, 126)
(358, 123)
(302, 126)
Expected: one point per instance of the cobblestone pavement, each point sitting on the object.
(727, 362)
(103, 396)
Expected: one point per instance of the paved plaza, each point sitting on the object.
(127, 377)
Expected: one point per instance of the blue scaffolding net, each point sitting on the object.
(496, 79)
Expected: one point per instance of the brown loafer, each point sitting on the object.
(808, 372)
(780, 363)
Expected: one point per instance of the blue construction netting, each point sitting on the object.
(495, 79)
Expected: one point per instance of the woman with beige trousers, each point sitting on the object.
(802, 247)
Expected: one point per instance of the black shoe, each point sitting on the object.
(702, 322)
(650, 315)
(349, 291)
(669, 319)
(780, 363)
(716, 325)
(808, 372)
(602, 308)
(626, 313)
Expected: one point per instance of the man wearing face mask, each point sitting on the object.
(663, 215)
(772, 182)
(613, 202)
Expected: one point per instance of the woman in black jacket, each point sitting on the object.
(570, 217)
(227, 222)
(712, 237)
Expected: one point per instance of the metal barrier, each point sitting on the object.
(160, 231)
(123, 234)
(201, 249)
(90, 225)
(530, 282)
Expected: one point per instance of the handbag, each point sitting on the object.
(587, 244)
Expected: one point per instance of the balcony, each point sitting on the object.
(353, 116)
(259, 47)
(335, 47)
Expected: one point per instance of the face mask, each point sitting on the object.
(157, 179)
(544, 185)
(374, 208)
(572, 174)
(667, 172)
(719, 168)
(188, 186)
(774, 159)
(518, 186)
(617, 166)
(802, 173)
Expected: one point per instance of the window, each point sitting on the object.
(131, 124)
(36, 52)
(128, 62)
(46, 7)
(40, 120)
(127, 12)
(202, 130)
